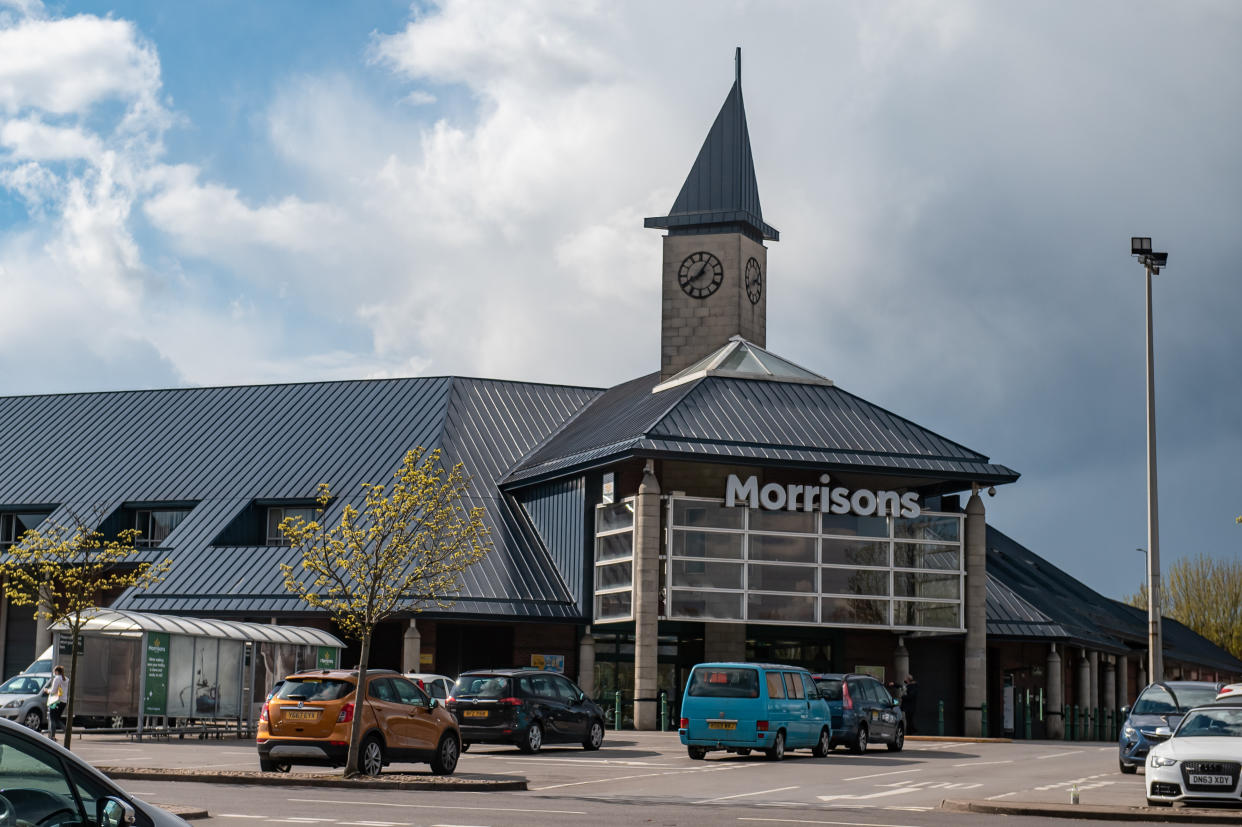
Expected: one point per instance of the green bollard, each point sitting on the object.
(940, 717)
(1026, 716)
(616, 710)
(983, 719)
(663, 711)
(1099, 725)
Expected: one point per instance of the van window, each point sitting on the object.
(811, 691)
(793, 686)
(776, 687)
(724, 683)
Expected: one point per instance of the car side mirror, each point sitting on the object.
(1125, 711)
(896, 702)
(113, 812)
(432, 703)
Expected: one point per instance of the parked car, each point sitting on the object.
(1232, 692)
(1199, 762)
(739, 707)
(863, 712)
(524, 707)
(1158, 706)
(45, 784)
(437, 686)
(308, 721)
(22, 700)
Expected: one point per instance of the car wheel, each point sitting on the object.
(860, 741)
(533, 739)
(899, 740)
(696, 753)
(268, 765)
(447, 754)
(824, 745)
(743, 752)
(371, 762)
(34, 720)
(777, 752)
(1126, 769)
(595, 736)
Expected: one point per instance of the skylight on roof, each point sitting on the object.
(740, 359)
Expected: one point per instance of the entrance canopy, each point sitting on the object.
(133, 624)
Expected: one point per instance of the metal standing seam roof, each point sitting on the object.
(752, 420)
(131, 624)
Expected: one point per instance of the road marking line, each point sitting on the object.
(235, 815)
(430, 806)
(745, 795)
(878, 774)
(644, 775)
(1057, 754)
(810, 821)
(1002, 795)
(982, 763)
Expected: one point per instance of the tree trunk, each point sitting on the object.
(73, 682)
(360, 699)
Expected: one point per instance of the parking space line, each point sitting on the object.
(878, 774)
(746, 795)
(431, 806)
(1002, 795)
(982, 763)
(811, 821)
(1057, 754)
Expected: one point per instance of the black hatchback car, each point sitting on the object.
(863, 712)
(524, 707)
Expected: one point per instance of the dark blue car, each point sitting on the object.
(1158, 705)
(863, 712)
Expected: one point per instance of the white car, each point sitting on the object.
(437, 686)
(1232, 692)
(1201, 761)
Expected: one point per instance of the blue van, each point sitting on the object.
(741, 707)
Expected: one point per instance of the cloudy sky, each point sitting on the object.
(239, 192)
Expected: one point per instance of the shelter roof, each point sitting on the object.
(132, 624)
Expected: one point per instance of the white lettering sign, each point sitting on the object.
(822, 497)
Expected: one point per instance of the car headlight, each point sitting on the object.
(13, 704)
(1129, 731)
(1155, 760)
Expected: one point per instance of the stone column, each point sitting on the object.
(1054, 723)
(974, 683)
(1110, 683)
(1142, 677)
(43, 633)
(4, 622)
(586, 663)
(646, 599)
(1093, 691)
(1082, 689)
(1123, 681)
(724, 642)
(901, 662)
(411, 648)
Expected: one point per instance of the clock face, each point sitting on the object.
(754, 280)
(700, 275)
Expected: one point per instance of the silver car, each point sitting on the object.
(22, 700)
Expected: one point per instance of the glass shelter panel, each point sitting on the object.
(614, 561)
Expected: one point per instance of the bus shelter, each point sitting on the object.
(154, 670)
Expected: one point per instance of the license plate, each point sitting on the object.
(722, 724)
(1211, 780)
(302, 715)
(474, 713)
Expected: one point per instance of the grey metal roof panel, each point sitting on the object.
(1183, 643)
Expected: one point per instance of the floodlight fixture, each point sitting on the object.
(1139, 246)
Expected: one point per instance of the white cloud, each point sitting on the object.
(32, 139)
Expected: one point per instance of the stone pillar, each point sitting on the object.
(974, 683)
(901, 662)
(1123, 681)
(586, 663)
(43, 633)
(646, 599)
(1093, 690)
(4, 622)
(1110, 684)
(724, 642)
(411, 648)
(1082, 689)
(1054, 723)
(1142, 677)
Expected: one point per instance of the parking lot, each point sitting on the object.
(637, 774)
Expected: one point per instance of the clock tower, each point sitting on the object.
(715, 273)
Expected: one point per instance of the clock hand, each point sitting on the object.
(702, 269)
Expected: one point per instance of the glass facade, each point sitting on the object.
(614, 561)
(806, 568)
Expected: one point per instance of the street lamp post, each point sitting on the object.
(1152, 262)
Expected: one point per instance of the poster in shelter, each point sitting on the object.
(155, 702)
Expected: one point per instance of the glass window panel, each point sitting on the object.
(906, 584)
(789, 608)
(614, 575)
(797, 521)
(614, 516)
(779, 367)
(614, 547)
(854, 581)
(776, 687)
(793, 686)
(782, 549)
(694, 514)
(939, 615)
(927, 527)
(743, 360)
(853, 552)
(781, 578)
(714, 605)
(706, 575)
(853, 610)
(612, 606)
(853, 526)
(920, 556)
(707, 544)
(164, 523)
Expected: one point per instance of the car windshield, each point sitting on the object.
(829, 688)
(488, 687)
(1188, 696)
(1205, 723)
(314, 689)
(724, 682)
(1155, 700)
(23, 685)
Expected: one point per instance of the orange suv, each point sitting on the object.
(309, 718)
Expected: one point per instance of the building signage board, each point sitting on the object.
(155, 700)
(326, 658)
(552, 663)
(823, 497)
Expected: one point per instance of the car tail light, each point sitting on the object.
(846, 700)
(450, 700)
(510, 702)
(762, 726)
(263, 716)
(684, 723)
(347, 714)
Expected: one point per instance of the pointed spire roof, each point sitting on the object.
(740, 359)
(721, 190)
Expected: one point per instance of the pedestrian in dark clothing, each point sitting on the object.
(57, 692)
(910, 703)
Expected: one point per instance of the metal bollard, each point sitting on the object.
(663, 711)
(1066, 723)
(616, 710)
(1026, 715)
(983, 719)
(940, 717)
(1099, 724)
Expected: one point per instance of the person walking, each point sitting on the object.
(57, 696)
(910, 703)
